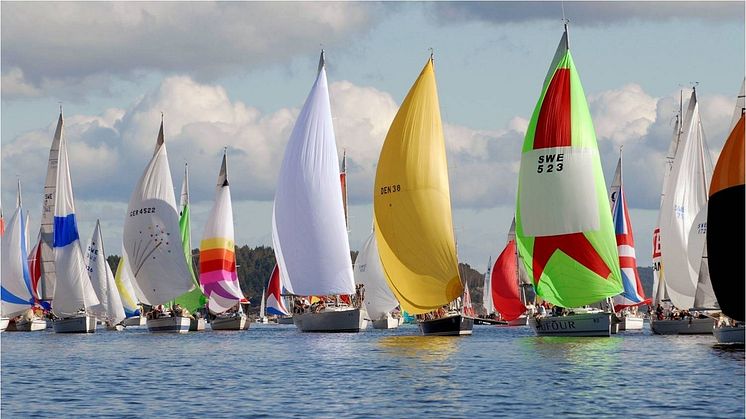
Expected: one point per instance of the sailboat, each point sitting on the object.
(725, 232)
(308, 222)
(508, 295)
(564, 231)
(152, 242)
(217, 261)
(379, 300)
(412, 214)
(263, 309)
(74, 296)
(274, 301)
(123, 280)
(487, 304)
(633, 295)
(111, 310)
(17, 296)
(683, 227)
(194, 299)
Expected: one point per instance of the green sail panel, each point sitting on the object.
(564, 229)
(193, 299)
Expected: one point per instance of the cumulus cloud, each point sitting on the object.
(51, 46)
(587, 13)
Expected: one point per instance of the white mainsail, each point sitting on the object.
(152, 238)
(48, 275)
(379, 300)
(489, 308)
(73, 291)
(309, 232)
(685, 197)
(102, 280)
(17, 296)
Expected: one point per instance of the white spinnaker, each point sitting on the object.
(152, 238)
(309, 234)
(102, 279)
(379, 299)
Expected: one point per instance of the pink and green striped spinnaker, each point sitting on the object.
(564, 229)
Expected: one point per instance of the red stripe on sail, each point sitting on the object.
(553, 128)
(504, 284)
(574, 245)
(217, 265)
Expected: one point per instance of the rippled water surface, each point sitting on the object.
(273, 370)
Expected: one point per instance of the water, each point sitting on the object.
(273, 370)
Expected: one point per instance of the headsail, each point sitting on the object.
(193, 299)
(309, 232)
(379, 300)
(506, 295)
(412, 204)
(16, 294)
(684, 199)
(123, 280)
(102, 280)
(633, 293)
(152, 238)
(725, 223)
(563, 221)
(217, 258)
(275, 304)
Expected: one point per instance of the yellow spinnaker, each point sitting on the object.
(412, 204)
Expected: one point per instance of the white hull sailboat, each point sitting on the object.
(631, 322)
(24, 325)
(588, 324)
(4, 321)
(169, 325)
(135, 321)
(729, 334)
(690, 326)
(240, 322)
(386, 322)
(522, 320)
(332, 319)
(79, 324)
(379, 300)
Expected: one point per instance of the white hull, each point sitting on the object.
(331, 320)
(387, 322)
(197, 325)
(169, 325)
(81, 324)
(4, 323)
(520, 321)
(729, 334)
(586, 324)
(230, 323)
(34, 325)
(134, 321)
(682, 327)
(631, 323)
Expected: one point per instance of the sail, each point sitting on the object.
(564, 231)
(412, 204)
(466, 298)
(489, 308)
(263, 304)
(309, 233)
(725, 225)
(506, 295)
(102, 280)
(343, 182)
(274, 301)
(193, 299)
(34, 267)
(152, 240)
(217, 258)
(685, 198)
(16, 295)
(633, 293)
(123, 281)
(49, 276)
(73, 290)
(379, 300)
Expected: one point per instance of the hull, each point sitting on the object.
(81, 324)
(682, 327)
(230, 323)
(34, 325)
(729, 334)
(4, 323)
(387, 322)
(331, 321)
(197, 325)
(285, 320)
(631, 323)
(520, 321)
(169, 325)
(134, 321)
(448, 326)
(586, 324)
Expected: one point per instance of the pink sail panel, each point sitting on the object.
(505, 293)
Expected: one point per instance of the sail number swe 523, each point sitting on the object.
(390, 189)
(149, 210)
(548, 163)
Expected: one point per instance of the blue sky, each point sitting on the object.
(235, 74)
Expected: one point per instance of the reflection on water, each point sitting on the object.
(424, 348)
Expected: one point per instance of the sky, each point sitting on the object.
(235, 75)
